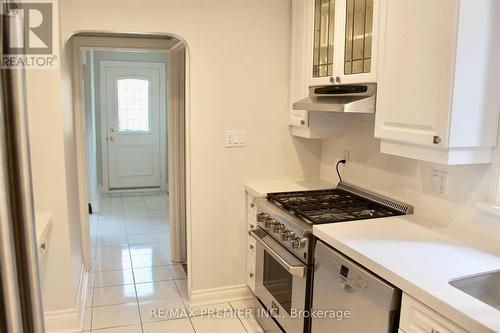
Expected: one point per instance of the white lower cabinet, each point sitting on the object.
(251, 245)
(250, 242)
(251, 272)
(418, 318)
(251, 207)
(251, 222)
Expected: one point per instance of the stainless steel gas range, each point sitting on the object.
(285, 245)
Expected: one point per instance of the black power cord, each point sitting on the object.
(337, 168)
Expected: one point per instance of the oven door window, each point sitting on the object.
(278, 282)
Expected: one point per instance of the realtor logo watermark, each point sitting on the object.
(30, 34)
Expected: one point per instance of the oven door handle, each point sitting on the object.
(295, 270)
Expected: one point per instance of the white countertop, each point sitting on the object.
(408, 253)
(262, 188)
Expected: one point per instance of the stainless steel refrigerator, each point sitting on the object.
(20, 300)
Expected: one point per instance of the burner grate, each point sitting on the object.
(328, 206)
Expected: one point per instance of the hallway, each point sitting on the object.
(134, 287)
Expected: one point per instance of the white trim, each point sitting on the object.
(97, 203)
(220, 295)
(136, 191)
(187, 171)
(176, 153)
(70, 320)
(62, 321)
(103, 116)
(81, 157)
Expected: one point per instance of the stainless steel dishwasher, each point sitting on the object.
(347, 298)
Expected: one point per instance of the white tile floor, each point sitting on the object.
(133, 276)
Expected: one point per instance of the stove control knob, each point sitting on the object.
(269, 222)
(287, 235)
(261, 217)
(297, 243)
(279, 227)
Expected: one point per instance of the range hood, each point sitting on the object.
(359, 98)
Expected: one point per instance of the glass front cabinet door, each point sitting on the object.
(343, 41)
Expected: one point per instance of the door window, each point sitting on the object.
(133, 105)
(278, 281)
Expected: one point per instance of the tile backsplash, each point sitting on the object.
(411, 181)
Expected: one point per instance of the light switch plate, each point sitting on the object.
(236, 138)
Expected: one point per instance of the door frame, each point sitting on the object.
(163, 117)
(181, 178)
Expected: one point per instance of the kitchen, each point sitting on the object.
(415, 272)
(420, 142)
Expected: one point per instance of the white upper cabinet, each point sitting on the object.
(298, 79)
(333, 42)
(341, 41)
(438, 80)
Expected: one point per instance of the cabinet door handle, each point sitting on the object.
(43, 246)
(251, 247)
(335, 79)
(434, 331)
(252, 205)
(251, 275)
(436, 140)
(252, 226)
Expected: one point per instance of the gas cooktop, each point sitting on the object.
(330, 206)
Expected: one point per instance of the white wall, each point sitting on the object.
(411, 181)
(238, 74)
(53, 163)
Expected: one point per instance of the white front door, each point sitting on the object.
(132, 104)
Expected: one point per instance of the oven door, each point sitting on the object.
(281, 282)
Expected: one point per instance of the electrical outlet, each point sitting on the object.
(439, 181)
(236, 139)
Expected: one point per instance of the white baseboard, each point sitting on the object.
(69, 320)
(62, 321)
(220, 295)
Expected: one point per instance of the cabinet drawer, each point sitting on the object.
(251, 222)
(251, 272)
(418, 318)
(251, 245)
(251, 207)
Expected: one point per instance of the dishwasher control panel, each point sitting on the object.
(346, 275)
(349, 277)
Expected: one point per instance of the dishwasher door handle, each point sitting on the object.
(295, 270)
